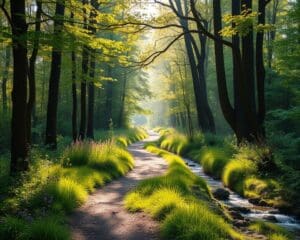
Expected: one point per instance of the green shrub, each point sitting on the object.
(236, 172)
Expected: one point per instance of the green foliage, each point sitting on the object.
(49, 228)
(66, 194)
(235, 174)
(171, 199)
(12, 227)
(213, 160)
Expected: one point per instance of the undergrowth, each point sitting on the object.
(36, 205)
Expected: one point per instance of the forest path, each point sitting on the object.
(104, 217)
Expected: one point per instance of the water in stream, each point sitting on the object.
(256, 212)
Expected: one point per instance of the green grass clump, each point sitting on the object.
(175, 142)
(213, 160)
(194, 221)
(171, 198)
(67, 194)
(47, 229)
(236, 172)
(12, 227)
(271, 230)
(268, 189)
(123, 137)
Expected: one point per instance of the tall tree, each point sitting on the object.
(197, 63)
(51, 127)
(91, 85)
(19, 145)
(74, 93)
(243, 118)
(31, 73)
(85, 62)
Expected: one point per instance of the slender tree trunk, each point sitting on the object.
(74, 93)
(19, 145)
(226, 107)
(205, 117)
(5, 78)
(51, 127)
(85, 62)
(122, 110)
(260, 70)
(31, 74)
(272, 34)
(109, 97)
(91, 99)
(91, 91)
(74, 98)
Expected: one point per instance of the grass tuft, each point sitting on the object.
(235, 174)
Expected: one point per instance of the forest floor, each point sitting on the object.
(104, 216)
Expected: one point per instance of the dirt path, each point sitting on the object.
(103, 216)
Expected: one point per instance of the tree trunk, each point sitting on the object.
(108, 102)
(31, 74)
(205, 117)
(74, 98)
(91, 99)
(5, 78)
(260, 70)
(19, 145)
(85, 62)
(51, 127)
(122, 110)
(226, 107)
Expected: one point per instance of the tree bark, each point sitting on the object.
(19, 145)
(51, 127)
(5, 79)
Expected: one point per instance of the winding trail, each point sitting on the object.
(104, 217)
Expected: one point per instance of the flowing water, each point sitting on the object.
(256, 212)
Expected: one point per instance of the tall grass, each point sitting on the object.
(171, 199)
(41, 198)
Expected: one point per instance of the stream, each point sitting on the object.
(254, 212)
